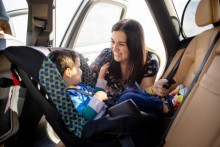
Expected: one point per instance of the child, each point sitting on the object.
(89, 105)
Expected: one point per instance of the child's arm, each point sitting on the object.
(101, 82)
(86, 106)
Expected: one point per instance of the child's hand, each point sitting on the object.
(103, 71)
(101, 95)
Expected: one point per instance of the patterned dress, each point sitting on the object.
(114, 86)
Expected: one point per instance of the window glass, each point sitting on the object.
(95, 33)
(19, 21)
(14, 4)
(65, 9)
(20, 28)
(189, 26)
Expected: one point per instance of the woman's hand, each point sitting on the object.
(158, 88)
(103, 71)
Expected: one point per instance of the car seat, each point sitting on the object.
(197, 122)
(8, 116)
(46, 87)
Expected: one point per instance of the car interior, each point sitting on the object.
(195, 123)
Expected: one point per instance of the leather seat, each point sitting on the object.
(197, 124)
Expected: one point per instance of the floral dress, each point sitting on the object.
(114, 86)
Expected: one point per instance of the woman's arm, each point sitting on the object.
(147, 82)
(151, 68)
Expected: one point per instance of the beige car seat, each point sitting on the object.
(197, 124)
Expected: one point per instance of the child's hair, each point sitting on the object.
(63, 59)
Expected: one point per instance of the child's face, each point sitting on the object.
(76, 73)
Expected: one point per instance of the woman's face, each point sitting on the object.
(119, 46)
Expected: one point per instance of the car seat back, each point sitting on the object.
(197, 122)
(196, 50)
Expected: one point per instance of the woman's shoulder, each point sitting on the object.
(152, 56)
(106, 51)
(152, 64)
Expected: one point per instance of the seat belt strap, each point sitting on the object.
(172, 73)
(39, 25)
(191, 85)
(80, 91)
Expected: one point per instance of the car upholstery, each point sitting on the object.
(197, 122)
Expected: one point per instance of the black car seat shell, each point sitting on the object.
(119, 130)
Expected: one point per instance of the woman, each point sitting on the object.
(129, 61)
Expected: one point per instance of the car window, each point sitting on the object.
(17, 17)
(95, 33)
(20, 28)
(189, 26)
(65, 10)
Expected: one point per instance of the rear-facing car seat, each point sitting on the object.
(197, 123)
(48, 92)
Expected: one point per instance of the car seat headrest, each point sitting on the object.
(208, 12)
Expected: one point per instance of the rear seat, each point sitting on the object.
(197, 124)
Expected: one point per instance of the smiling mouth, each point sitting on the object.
(117, 55)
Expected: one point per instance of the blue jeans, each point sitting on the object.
(144, 101)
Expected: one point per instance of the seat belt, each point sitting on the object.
(172, 73)
(39, 25)
(195, 79)
(82, 92)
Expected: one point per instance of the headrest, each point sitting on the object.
(208, 12)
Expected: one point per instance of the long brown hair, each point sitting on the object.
(136, 46)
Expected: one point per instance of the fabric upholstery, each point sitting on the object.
(50, 78)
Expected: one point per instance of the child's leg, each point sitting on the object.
(145, 102)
